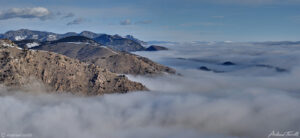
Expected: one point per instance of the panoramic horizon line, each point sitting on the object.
(78, 32)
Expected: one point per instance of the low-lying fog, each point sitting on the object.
(256, 93)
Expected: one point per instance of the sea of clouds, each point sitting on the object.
(243, 100)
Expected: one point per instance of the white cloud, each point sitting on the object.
(37, 12)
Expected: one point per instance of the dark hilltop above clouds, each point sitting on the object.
(156, 48)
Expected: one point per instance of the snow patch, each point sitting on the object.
(7, 45)
(51, 37)
(78, 43)
(34, 44)
(19, 38)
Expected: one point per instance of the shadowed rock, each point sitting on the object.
(204, 68)
(228, 63)
(156, 48)
(278, 69)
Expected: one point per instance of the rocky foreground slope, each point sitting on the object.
(58, 73)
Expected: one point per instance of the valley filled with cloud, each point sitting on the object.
(257, 93)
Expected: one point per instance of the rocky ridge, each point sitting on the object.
(58, 73)
(105, 57)
(127, 43)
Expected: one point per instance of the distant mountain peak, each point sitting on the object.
(119, 43)
(89, 34)
(131, 37)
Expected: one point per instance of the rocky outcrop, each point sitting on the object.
(58, 73)
(7, 43)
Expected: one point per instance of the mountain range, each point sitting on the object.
(83, 63)
(89, 51)
(127, 43)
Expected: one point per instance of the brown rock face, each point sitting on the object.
(106, 58)
(130, 64)
(59, 73)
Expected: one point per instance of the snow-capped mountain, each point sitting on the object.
(23, 34)
(117, 42)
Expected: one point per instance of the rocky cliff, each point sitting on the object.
(58, 73)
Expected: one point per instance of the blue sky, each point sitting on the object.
(170, 20)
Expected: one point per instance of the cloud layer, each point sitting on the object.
(244, 102)
(37, 12)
